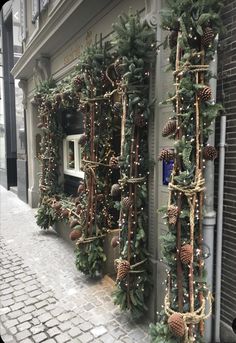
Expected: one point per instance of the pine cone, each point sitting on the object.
(117, 107)
(115, 241)
(173, 212)
(100, 197)
(186, 253)
(209, 152)
(208, 36)
(205, 94)
(114, 163)
(83, 139)
(173, 39)
(169, 128)
(75, 234)
(57, 206)
(78, 209)
(176, 324)
(115, 190)
(140, 120)
(126, 203)
(123, 269)
(166, 155)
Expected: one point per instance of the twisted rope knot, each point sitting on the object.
(132, 180)
(190, 190)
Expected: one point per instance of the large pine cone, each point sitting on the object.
(114, 162)
(205, 94)
(173, 212)
(176, 324)
(209, 152)
(186, 253)
(75, 234)
(169, 128)
(140, 120)
(115, 190)
(126, 203)
(166, 155)
(123, 268)
(208, 36)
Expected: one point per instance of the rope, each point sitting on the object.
(132, 180)
(189, 191)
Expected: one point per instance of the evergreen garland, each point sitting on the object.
(192, 27)
(134, 42)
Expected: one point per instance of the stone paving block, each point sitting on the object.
(57, 311)
(88, 307)
(52, 323)
(41, 304)
(17, 306)
(45, 317)
(7, 290)
(37, 329)
(86, 337)
(53, 332)
(10, 323)
(23, 326)
(35, 293)
(21, 298)
(4, 310)
(19, 292)
(74, 332)
(37, 313)
(107, 338)
(31, 301)
(29, 309)
(22, 335)
(50, 340)
(65, 316)
(63, 338)
(27, 340)
(86, 326)
(35, 321)
(117, 333)
(40, 337)
(7, 338)
(99, 331)
(77, 320)
(65, 326)
(26, 317)
(15, 314)
(13, 330)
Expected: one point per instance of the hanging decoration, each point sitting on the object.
(192, 27)
(134, 44)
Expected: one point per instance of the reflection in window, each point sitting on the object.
(71, 155)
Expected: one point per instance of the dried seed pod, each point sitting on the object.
(209, 152)
(115, 190)
(123, 268)
(176, 324)
(115, 241)
(75, 234)
(173, 212)
(166, 155)
(140, 120)
(169, 128)
(114, 162)
(186, 253)
(208, 36)
(205, 94)
(126, 203)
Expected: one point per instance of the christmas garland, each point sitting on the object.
(192, 27)
(134, 44)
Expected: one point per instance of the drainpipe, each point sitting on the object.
(219, 227)
(209, 220)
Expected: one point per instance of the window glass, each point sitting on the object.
(71, 155)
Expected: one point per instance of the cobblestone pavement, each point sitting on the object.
(43, 297)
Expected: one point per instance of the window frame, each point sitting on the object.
(76, 171)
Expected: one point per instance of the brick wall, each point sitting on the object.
(226, 92)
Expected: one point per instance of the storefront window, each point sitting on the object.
(72, 156)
